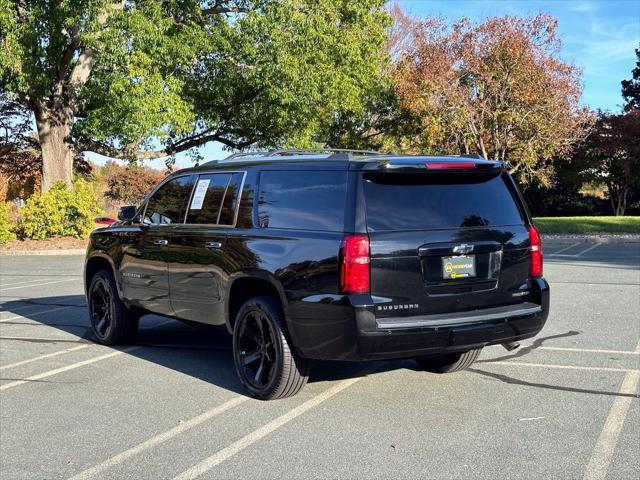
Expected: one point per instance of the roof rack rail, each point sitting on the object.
(336, 153)
(247, 154)
(293, 151)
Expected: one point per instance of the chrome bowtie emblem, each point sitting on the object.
(463, 248)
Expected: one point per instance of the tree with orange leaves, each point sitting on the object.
(497, 88)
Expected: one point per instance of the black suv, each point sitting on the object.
(338, 255)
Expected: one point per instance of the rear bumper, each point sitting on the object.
(420, 341)
(351, 330)
(410, 337)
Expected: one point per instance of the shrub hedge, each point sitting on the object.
(60, 212)
(6, 230)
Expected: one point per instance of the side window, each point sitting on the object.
(214, 199)
(231, 199)
(309, 200)
(168, 203)
(207, 198)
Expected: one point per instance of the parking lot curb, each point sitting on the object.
(69, 251)
(608, 239)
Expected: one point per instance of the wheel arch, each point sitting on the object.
(248, 285)
(95, 263)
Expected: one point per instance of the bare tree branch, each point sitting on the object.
(223, 10)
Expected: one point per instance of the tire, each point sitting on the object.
(112, 322)
(264, 358)
(449, 363)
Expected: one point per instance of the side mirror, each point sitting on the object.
(127, 213)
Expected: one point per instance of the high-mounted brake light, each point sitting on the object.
(449, 165)
(354, 264)
(535, 260)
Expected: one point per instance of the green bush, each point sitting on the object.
(6, 232)
(60, 212)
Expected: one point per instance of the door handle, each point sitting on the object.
(213, 244)
(160, 242)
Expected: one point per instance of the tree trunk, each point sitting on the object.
(54, 129)
(618, 197)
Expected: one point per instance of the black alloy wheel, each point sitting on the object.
(112, 322)
(266, 363)
(257, 349)
(100, 305)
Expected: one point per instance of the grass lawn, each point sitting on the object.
(588, 224)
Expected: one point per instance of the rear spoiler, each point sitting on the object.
(415, 164)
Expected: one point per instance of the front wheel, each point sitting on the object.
(450, 362)
(112, 322)
(264, 358)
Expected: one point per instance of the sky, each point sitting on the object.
(599, 36)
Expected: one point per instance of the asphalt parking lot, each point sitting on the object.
(565, 405)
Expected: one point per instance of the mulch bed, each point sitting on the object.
(61, 243)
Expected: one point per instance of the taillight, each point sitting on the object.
(449, 165)
(354, 264)
(535, 260)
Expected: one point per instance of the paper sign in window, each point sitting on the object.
(199, 194)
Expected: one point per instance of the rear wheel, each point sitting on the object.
(263, 355)
(112, 322)
(451, 362)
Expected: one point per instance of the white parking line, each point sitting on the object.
(563, 249)
(4, 309)
(587, 250)
(567, 367)
(47, 355)
(33, 378)
(608, 439)
(590, 350)
(573, 255)
(2, 284)
(251, 438)
(158, 439)
(40, 313)
(39, 284)
(74, 365)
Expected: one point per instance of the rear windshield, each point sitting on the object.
(416, 202)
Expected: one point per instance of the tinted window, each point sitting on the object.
(230, 201)
(309, 200)
(168, 203)
(215, 199)
(207, 198)
(401, 202)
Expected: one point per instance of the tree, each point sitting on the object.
(20, 155)
(141, 79)
(611, 155)
(128, 186)
(497, 88)
(20, 158)
(631, 88)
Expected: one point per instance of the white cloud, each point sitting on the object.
(584, 7)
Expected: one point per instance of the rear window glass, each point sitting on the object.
(231, 198)
(403, 202)
(207, 198)
(309, 200)
(214, 199)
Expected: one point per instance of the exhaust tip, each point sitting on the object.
(509, 346)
